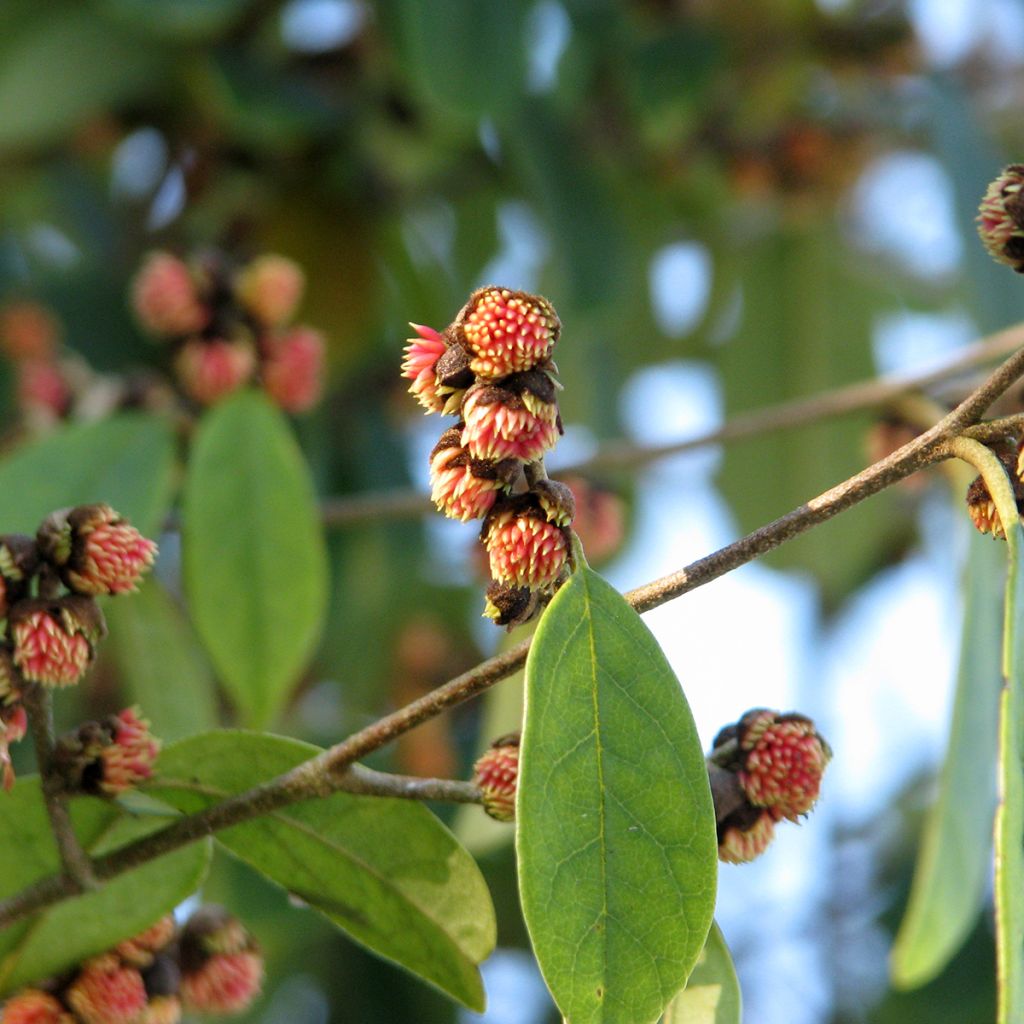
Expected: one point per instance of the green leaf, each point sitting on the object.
(254, 558)
(385, 871)
(62, 68)
(1009, 831)
(712, 995)
(616, 828)
(160, 662)
(190, 21)
(126, 461)
(79, 928)
(951, 878)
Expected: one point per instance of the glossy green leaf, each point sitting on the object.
(254, 558)
(1009, 831)
(160, 662)
(126, 461)
(78, 928)
(385, 871)
(712, 995)
(616, 828)
(63, 68)
(951, 878)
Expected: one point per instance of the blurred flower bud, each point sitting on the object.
(1001, 218)
(523, 548)
(496, 773)
(165, 298)
(294, 368)
(43, 390)
(212, 370)
(33, 1006)
(599, 518)
(107, 992)
(140, 950)
(55, 641)
(745, 835)
(221, 966)
(505, 331)
(95, 550)
(28, 331)
(270, 288)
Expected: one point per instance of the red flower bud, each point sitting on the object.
(463, 487)
(741, 843)
(419, 365)
(54, 641)
(1001, 218)
(782, 761)
(293, 370)
(95, 550)
(212, 370)
(221, 966)
(505, 331)
(510, 422)
(165, 297)
(523, 548)
(496, 773)
(269, 289)
(129, 759)
(43, 390)
(33, 1006)
(107, 992)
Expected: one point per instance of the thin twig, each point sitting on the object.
(77, 866)
(870, 394)
(325, 773)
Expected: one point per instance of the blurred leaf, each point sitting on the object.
(254, 557)
(468, 56)
(385, 871)
(186, 21)
(616, 828)
(806, 328)
(1009, 831)
(712, 995)
(65, 66)
(126, 461)
(160, 663)
(951, 878)
(71, 931)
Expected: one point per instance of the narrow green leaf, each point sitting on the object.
(1009, 833)
(616, 828)
(254, 557)
(712, 995)
(385, 871)
(79, 928)
(126, 461)
(951, 877)
(160, 662)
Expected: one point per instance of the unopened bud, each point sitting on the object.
(496, 773)
(523, 548)
(212, 370)
(270, 288)
(107, 992)
(1001, 218)
(294, 368)
(165, 297)
(33, 1006)
(55, 641)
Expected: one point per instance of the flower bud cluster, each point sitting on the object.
(765, 768)
(491, 368)
(52, 623)
(231, 324)
(211, 966)
(30, 336)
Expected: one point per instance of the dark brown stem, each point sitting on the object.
(326, 773)
(726, 791)
(77, 866)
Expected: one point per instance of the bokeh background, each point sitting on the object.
(731, 203)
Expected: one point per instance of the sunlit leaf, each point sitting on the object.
(616, 829)
(385, 871)
(712, 995)
(951, 879)
(254, 558)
